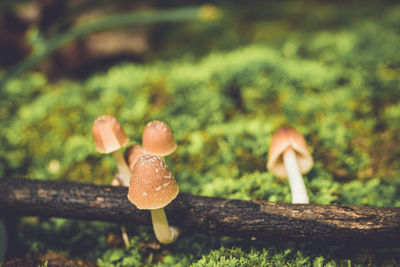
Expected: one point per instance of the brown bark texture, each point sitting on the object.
(260, 220)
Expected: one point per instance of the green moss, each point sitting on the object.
(238, 257)
(122, 257)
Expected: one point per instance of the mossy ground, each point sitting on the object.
(332, 72)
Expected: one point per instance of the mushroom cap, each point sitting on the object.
(283, 139)
(108, 134)
(132, 154)
(158, 139)
(152, 185)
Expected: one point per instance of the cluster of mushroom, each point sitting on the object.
(151, 184)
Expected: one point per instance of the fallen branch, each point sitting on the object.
(273, 222)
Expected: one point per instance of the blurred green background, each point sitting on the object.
(224, 76)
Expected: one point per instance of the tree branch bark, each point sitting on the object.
(273, 222)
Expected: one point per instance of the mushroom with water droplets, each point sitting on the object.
(153, 190)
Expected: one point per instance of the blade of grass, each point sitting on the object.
(112, 22)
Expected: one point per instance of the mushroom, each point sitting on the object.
(109, 137)
(157, 139)
(152, 187)
(132, 154)
(288, 157)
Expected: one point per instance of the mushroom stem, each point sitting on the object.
(125, 237)
(296, 182)
(122, 167)
(164, 233)
(117, 182)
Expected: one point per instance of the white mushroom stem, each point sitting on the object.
(296, 182)
(122, 167)
(164, 233)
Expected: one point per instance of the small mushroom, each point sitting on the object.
(152, 187)
(132, 154)
(288, 157)
(109, 137)
(158, 139)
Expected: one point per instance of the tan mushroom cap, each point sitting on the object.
(152, 184)
(283, 139)
(108, 134)
(158, 139)
(132, 154)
